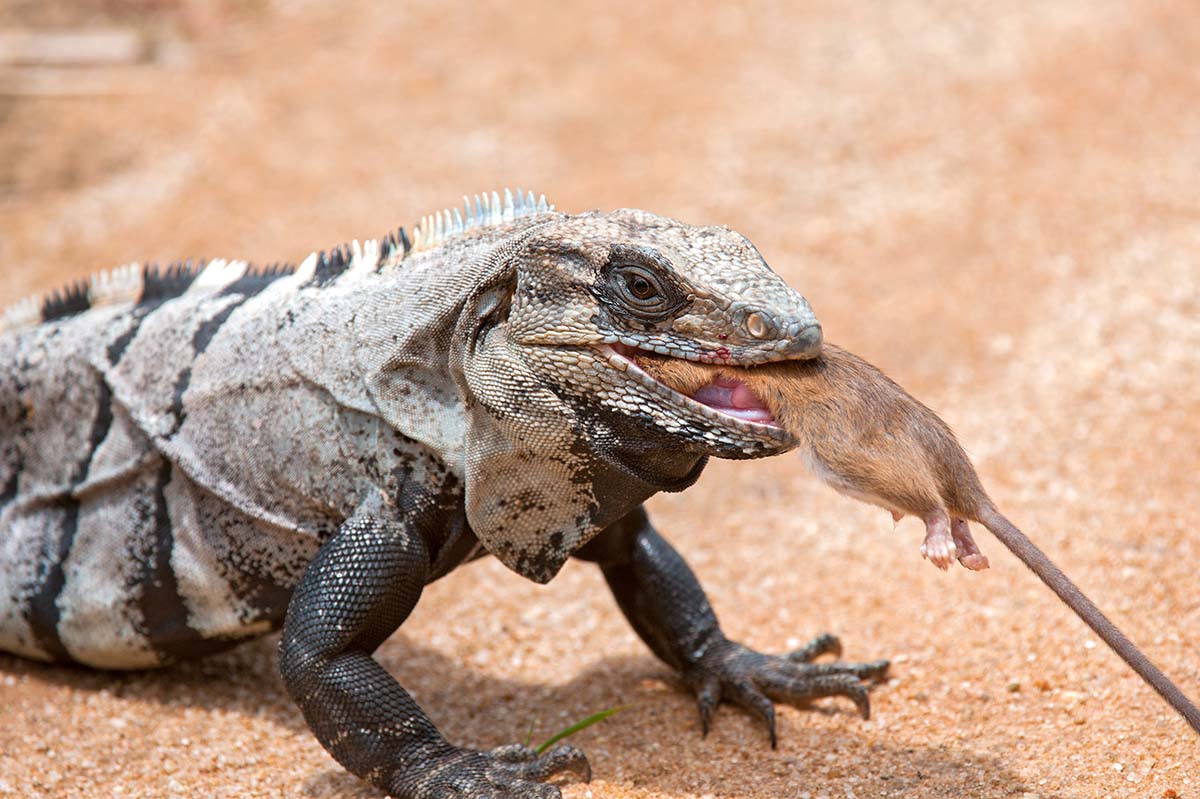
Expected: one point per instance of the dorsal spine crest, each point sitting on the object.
(136, 283)
(486, 210)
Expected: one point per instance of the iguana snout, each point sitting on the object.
(594, 291)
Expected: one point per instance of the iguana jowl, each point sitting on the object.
(194, 456)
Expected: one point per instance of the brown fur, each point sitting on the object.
(865, 436)
(868, 438)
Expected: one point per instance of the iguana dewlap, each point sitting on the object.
(194, 456)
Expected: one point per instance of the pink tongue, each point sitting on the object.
(734, 398)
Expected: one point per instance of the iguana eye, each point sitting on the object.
(639, 287)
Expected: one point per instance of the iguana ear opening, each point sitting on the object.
(490, 302)
(493, 306)
(404, 360)
(485, 309)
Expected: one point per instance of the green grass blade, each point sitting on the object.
(529, 732)
(595, 718)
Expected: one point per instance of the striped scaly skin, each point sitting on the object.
(193, 456)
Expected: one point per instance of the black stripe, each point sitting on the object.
(139, 315)
(200, 341)
(118, 345)
(396, 240)
(331, 266)
(165, 284)
(65, 302)
(44, 614)
(204, 334)
(100, 426)
(19, 429)
(157, 284)
(182, 381)
(164, 615)
(10, 488)
(160, 590)
(248, 285)
(255, 280)
(387, 245)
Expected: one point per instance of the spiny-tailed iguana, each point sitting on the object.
(194, 456)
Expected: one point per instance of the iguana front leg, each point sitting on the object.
(362, 584)
(664, 602)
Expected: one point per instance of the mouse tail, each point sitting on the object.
(1066, 590)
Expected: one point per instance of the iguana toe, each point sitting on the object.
(754, 681)
(823, 644)
(505, 772)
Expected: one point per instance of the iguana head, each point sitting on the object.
(561, 432)
(593, 290)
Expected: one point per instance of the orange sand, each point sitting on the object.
(996, 203)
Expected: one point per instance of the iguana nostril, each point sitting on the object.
(808, 342)
(757, 325)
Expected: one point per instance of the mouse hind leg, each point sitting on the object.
(968, 551)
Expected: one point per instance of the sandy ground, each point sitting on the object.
(999, 207)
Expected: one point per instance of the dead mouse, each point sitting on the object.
(868, 438)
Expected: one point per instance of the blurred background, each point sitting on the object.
(997, 203)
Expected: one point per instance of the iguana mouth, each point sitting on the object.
(725, 399)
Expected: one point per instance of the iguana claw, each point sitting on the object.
(505, 772)
(754, 681)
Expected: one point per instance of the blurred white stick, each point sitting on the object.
(71, 48)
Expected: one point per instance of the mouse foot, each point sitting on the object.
(968, 551)
(939, 547)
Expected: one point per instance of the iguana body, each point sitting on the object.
(183, 453)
